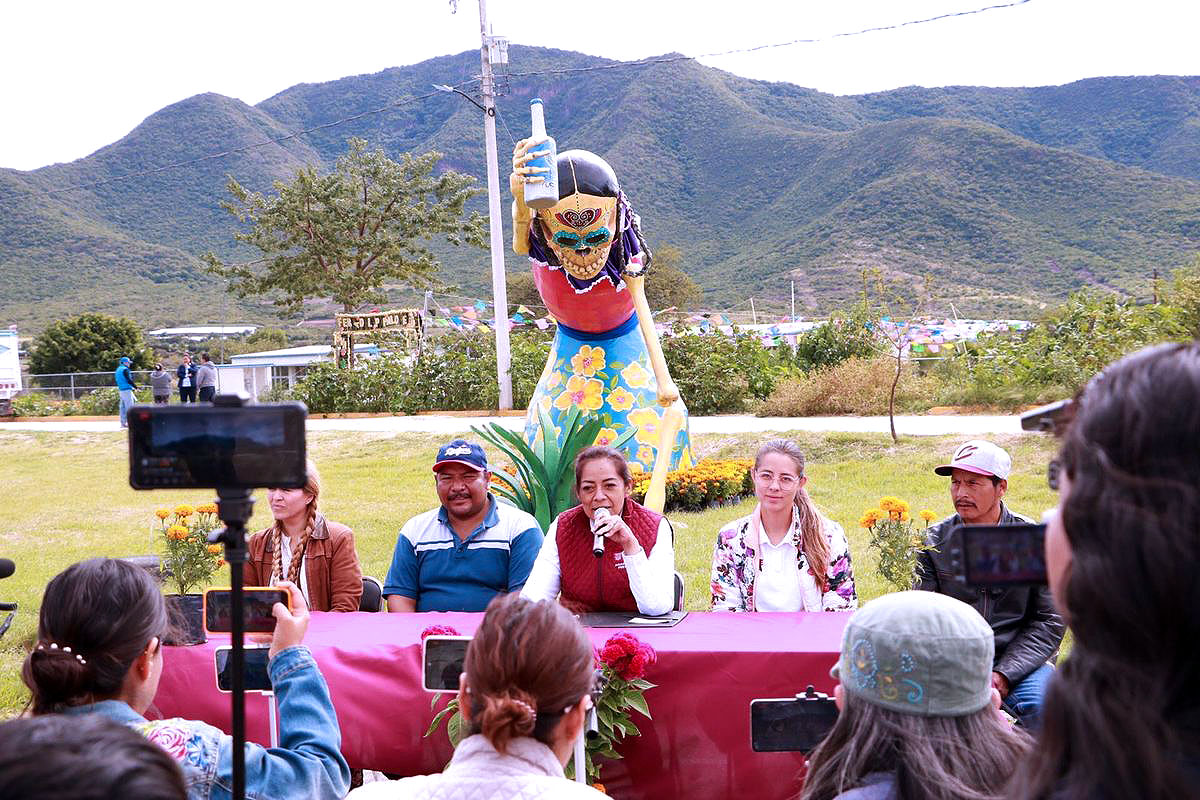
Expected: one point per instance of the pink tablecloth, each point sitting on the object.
(698, 745)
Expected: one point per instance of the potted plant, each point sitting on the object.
(188, 562)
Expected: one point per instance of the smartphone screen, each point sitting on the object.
(203, 447)
(254, 672)
(443, 658)
(1004, 555)
(257, 602)
(790, 725)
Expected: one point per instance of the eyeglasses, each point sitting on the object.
(786, 481)
(1053, 469)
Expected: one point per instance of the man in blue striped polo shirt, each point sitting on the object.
(457, 557)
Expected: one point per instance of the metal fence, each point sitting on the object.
(73, 385)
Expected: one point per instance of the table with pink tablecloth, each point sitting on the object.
(710, 666)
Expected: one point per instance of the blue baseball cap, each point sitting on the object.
(125, 360)
(460, 451)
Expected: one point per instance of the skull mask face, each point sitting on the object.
(579, 230)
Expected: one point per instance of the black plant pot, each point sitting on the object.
(186, 614)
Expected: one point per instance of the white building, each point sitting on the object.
(256, 373)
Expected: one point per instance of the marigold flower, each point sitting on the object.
(214, 549)
(177, 532)
(162, 513)
(184, 510)
(207, 508)
(927, 515)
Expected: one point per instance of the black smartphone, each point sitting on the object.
(1004, 555)
(254, 668)
(257, 602)
(442, 658)
(198, 446)
(791, 724)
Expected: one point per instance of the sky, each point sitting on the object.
(79, 75)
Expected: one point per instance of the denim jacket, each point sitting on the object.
(308, 763)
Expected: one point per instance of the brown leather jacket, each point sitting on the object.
(330, 565)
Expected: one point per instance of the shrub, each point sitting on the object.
(709, 483)
(856, 386)
(838, 340)
(718, 373)
(34, 404)
(104, 402)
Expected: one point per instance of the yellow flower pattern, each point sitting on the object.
(620, 399)
(635, 376)
(588, 361)
(606, 437)
(647, 421)
(587, 393)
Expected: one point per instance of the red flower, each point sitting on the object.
(438, 630)
(627, 656)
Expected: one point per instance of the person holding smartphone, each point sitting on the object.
(1027, 627)
(524, 693)
(186, 374)
(99, 651)
(315, 553)
(609, 553)
(786, 555)
(918, 715)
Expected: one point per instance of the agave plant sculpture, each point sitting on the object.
(546, 469)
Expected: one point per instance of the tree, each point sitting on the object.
(667, 285)
(88, 343)
(1185, 294)
(892, 300)
(346, 234)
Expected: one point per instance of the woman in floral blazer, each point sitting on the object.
(784, 556)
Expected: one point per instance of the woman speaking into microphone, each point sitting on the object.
(609, 553)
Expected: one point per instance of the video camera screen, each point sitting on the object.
(204, 447)
(1004, 555)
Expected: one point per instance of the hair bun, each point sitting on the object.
(506, 717)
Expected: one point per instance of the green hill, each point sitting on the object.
(1008, 198)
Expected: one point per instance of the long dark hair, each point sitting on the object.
(106, 611)
(969, 757)
(527, 664)
(1122, 718)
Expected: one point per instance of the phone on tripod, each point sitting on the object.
(791, 724)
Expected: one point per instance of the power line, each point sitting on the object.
(831, 37)
(567, 70)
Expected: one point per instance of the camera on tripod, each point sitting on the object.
(232, 447)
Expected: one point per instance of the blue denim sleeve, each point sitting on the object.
(522, 553)
(402, 574)
(308, 763)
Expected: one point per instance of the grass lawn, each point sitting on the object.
(66, 497)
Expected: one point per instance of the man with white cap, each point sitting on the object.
(1028, 630)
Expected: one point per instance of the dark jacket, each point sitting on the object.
(1028, 630)
(189, 370)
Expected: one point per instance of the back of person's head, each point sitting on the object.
(1122, 718)
(96, 617)
(86, 757)
(527, 664)
(917, 704)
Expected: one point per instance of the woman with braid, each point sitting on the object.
(303, 547)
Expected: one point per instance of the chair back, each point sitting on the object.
(372, 595)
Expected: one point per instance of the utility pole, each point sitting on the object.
(492, 47)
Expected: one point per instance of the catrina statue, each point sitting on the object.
(589, 263)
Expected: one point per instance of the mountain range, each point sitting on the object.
(1005, 198)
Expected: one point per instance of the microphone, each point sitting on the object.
(7, 567)
(598, 516)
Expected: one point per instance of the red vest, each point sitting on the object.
(597, 310)
(598, 584)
